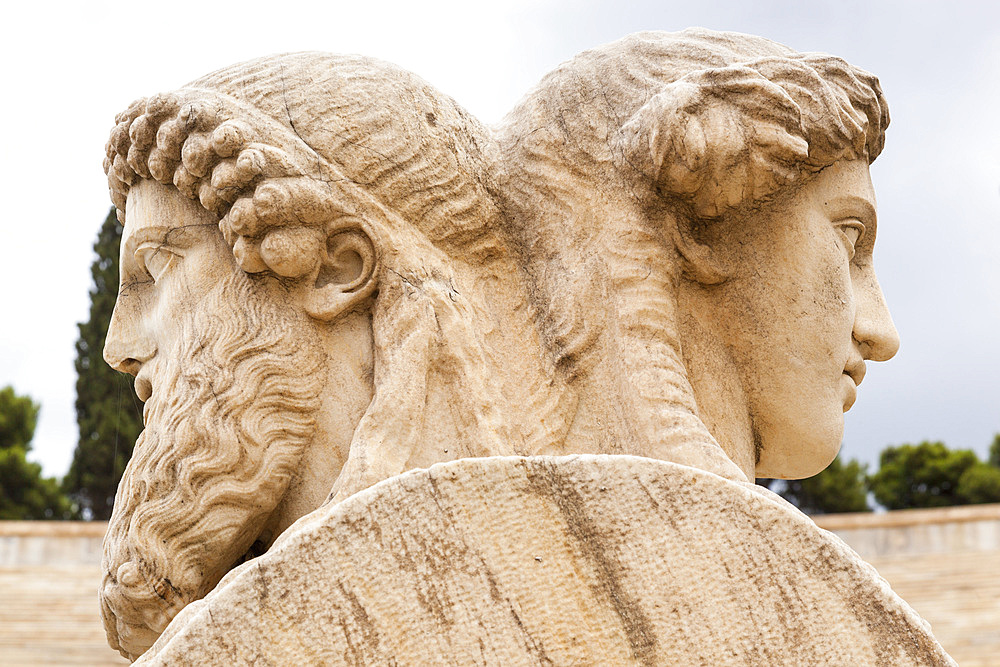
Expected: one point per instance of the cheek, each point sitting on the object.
(166, 305)
(797, 327)
(824, 301)
(835, 306)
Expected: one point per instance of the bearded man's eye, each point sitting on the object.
(155, 260)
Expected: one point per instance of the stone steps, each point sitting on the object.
(49, 615)
(958, 594)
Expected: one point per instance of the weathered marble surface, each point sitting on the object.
(608, 560)
(332, 274)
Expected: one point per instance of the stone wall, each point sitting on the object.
(944, 562)
(57, 543)
(913, 532)
(49, 575)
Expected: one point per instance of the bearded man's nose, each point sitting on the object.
(127, 347)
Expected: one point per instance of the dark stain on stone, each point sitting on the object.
(433, 559)
(891, 633)
(263, 590)
(545, 480)
(533, 646)
(358, 626)
(166, 590)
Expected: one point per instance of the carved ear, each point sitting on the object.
(700, 262)
(344, 277)
(712, 141)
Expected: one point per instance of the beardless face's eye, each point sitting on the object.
(155, 260)
(851, 231)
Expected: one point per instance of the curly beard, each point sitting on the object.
(231, 413)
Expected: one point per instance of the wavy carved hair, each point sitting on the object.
(310, 140)
(618, 146)
(234, 412)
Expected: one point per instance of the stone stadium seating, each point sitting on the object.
(49, 573)
(944, 562)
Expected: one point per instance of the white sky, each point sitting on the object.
(68, 68)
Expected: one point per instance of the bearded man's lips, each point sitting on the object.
(175, 530)
(143, 388)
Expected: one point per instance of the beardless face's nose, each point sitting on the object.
(873, 326)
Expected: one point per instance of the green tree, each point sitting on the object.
(18, 418)
(980, 483)
(841, 487)
(993, 458)
(24, 493)
(924, 475)
(107, 412)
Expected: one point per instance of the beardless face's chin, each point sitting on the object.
(802, 445)
(230, 415)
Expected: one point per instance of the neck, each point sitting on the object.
(719, 394)
(349, 389)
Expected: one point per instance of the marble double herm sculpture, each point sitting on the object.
(422, 391)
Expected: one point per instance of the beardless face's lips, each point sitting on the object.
(855, 369)
(854, 372)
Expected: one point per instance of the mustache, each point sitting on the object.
(231, 413)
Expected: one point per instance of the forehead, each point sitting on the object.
(152, 206)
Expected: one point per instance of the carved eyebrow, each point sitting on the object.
(853, 206)
(178, 237)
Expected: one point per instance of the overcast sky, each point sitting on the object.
(68, 69)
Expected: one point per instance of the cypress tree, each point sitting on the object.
(107, 412)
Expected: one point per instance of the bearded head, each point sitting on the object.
(231, 410)
(312, 277)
